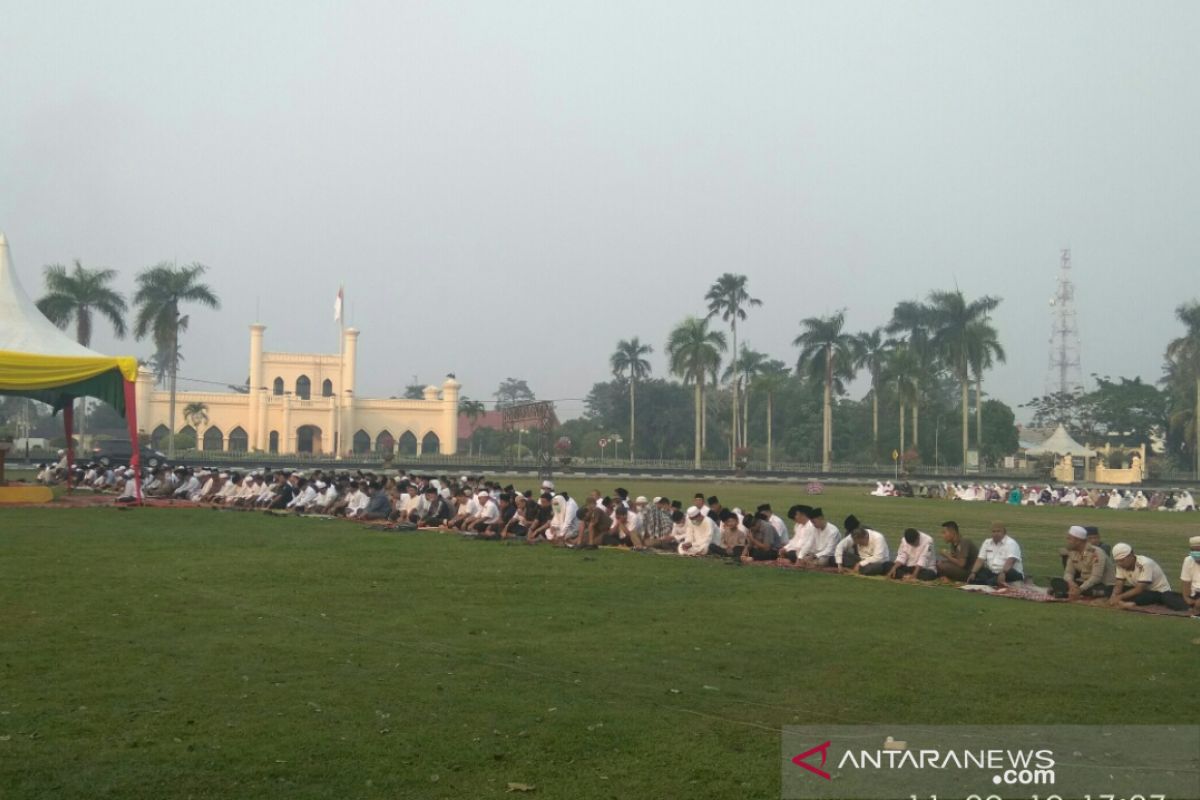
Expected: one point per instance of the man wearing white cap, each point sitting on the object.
(699, 533)
(1190, 576)
(1088, 571)
(1141, 582)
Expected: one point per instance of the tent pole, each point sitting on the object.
(69, 424)
(135, 459)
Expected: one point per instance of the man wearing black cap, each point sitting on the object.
(763, 542)
(799, 514)
(714, 509)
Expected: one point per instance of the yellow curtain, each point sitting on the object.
(29, 371)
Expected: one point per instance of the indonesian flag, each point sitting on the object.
(337, 306)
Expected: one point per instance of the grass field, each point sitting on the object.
(156, 653)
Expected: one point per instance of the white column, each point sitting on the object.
(449, 432)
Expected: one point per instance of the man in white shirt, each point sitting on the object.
(819, 544)
(864, 551)
(914, 558)
(1190, 576)
(999, 561)
(801, 529)
(698, 533)
(1141, 581)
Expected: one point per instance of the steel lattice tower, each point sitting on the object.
(1064, 374)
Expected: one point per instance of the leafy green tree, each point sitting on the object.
(827, 352)
(1128, 412)
(999, 424)
(513, 391)
(627, 360)
(694, 353)
(162, 290)
(728, 298)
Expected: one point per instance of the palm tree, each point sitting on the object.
(472, 410)
(914, 320)
(871, 351)
(749, 364)
(196, 414)
(628, 360)
(827, 353)
(695, 352)
(770, 379)
(1184, 352)
(728, 298)
(951, 318)
(161, 290)
(984, 350)
(902, 369)
(76, 296)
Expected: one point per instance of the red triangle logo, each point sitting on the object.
(823, 749)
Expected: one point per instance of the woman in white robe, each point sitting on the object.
(1114, 499)
(1185, 502)
(564, 524)
(1140, 501)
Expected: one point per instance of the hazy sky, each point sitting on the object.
(508, 188)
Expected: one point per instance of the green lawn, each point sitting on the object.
(188, 653)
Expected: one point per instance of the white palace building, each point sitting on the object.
(305, 403)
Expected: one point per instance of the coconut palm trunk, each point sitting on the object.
(174, 376)
(699, 411)
(901, 450)
(632, 416)
(733, 427)
(979, 413)
(770, 404)
(875, 420)
(1196, 425)
(916, 415)
(827, 449)
(966, 417)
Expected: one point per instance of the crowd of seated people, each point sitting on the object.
(1116, 499)
(699, 527)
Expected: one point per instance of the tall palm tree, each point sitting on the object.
(728, 298)
(984, 351)
(902, 370)
(694, 352)
(769, 380)
(627, 360)
(76, 296)
(472, 410)
(196, 414)
(914, 320)
(827, 353)
(871, 351)
(1184, 352)
(749, 363)
(951, 318)
(161, 290)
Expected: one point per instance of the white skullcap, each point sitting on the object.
(641, 500)
(320, 484)
(1121, 550)
(483, 493)
(693, 512)
(1077, 531)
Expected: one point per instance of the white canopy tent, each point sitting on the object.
(39, 361)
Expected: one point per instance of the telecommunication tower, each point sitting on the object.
(1064, 374)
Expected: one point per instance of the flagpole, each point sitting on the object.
(337, 400)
